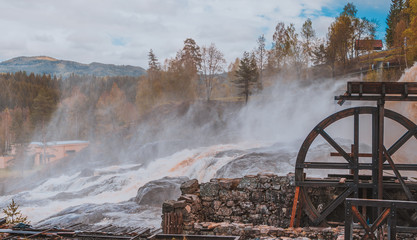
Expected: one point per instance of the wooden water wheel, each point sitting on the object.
(364, 177)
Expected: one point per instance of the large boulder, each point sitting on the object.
(154, 193)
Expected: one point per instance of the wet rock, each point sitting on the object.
(154, 193)
(229, 184)
(249, 182)
(224, 211)
(189, 187)
(255, 163)
(86, 173)
(209, 189)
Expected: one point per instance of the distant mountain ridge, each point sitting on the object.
(49, 65)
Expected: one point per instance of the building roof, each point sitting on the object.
(368, 44)
(55, 143)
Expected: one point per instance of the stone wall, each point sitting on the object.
(259, 200)
(251, 207)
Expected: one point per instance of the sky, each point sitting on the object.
(123, 31)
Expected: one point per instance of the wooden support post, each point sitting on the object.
(299, 208)
(364, 196)
(381, 146)
(294, 206)
(348, 220)
(355, 152)
(392, 223)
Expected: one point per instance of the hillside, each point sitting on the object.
(48, 65)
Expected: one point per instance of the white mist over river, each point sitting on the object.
(263, 136)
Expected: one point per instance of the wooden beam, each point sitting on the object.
(332, 206)
(363, 223)
(334, 144)
(397, 173)
(294, 206)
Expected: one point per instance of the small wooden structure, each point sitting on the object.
(172, 223)
(368, 44)
(358, 183)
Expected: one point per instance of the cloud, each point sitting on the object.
(122, 32)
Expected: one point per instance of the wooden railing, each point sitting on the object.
(387, 214)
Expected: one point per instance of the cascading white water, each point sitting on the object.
(263, 136)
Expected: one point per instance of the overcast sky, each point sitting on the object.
(122, 31)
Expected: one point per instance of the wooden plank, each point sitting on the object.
(375, 98)
(383, 203)
(294, 206)
(362, 177)
(399, 88)
(333, 154)
(180, 223)
(362, 166)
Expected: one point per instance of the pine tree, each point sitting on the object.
(394, 17)
(190, 56)
(153, 64)
(43, 107)
(308, 34)
(154, 74)
(14, 215)
(182, 71)
(247, 75)
(261, 59)
(411, 32)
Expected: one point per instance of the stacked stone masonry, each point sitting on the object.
(251, 207)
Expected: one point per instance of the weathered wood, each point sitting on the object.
(294, 206)
(334, 144)
(173, 222)
(388, 214)
(363, 223)
(382, 88)
(397, 173)
(332, 206)
(380, 92)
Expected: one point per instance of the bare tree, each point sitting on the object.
(212, 63)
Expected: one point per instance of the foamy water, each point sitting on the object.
(120, 183)
(269, 131)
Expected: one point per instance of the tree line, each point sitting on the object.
(401, 29)
(87, 106)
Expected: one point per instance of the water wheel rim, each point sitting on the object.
(309, 208)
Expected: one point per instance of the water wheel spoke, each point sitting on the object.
(334, 144)
(401, 141)
(398, 175)
(333, 205)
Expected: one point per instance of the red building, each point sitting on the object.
(368, 45)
